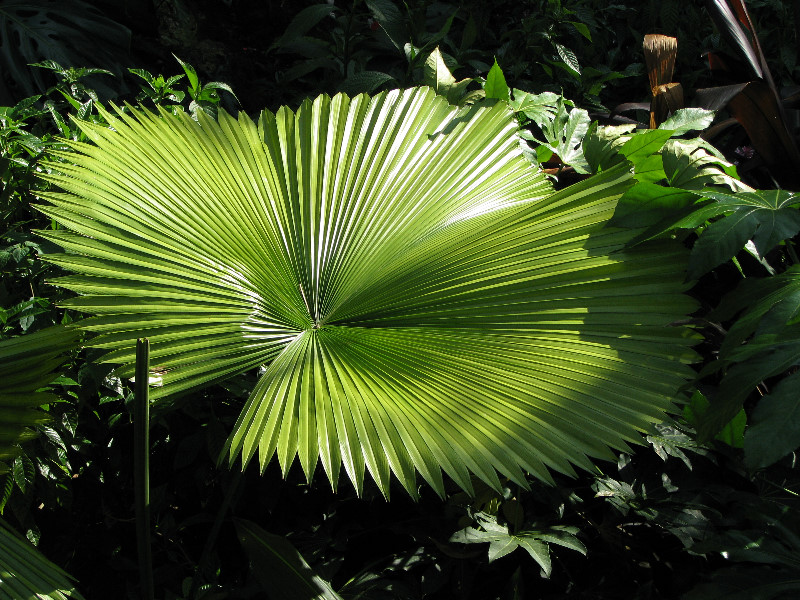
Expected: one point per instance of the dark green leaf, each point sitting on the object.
(283, 572)
(748, 583)
(765, 216)
(648, 205)
(364, 82)
(303, 22)
(391, 20)
(763, 357)
(732, 433)
(69, 32)
(776, 425)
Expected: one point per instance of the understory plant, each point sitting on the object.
(406, 286)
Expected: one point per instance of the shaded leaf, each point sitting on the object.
(391, 20)
(775, 431)
(302, 22)
(279, 567)
(765, 216)
(732, 433)
(70, 32)
(364, 82)
(27, 573)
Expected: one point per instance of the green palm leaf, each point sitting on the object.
(423, 300)
(27, 364)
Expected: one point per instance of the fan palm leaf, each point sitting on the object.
(421, 299)
(28, 363)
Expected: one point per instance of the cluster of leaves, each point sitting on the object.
(723, 502)
(379, 43)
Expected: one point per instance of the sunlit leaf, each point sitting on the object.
(496, 86)
(422, 300)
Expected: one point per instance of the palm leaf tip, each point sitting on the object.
(423, 301)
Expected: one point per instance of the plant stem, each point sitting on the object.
(141, 466)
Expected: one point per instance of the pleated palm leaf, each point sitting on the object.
(28, 364)
(421, 298)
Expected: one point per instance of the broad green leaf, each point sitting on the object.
(421, 299)
(436, 75)
(685, 120)
(645, 144)
(364, 82)
(69, 32)
(768, 304)
(775, 431)
(282, 571)
(391, 20)
(564, 136)
(496, 86)
(733, 431)
(695, 164)
(765, 216)
(26, 573)
(582, 29)
(653, 206)
(763, 357)
(539, 108)
(601, 144)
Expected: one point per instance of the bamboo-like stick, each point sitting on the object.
(141, 466)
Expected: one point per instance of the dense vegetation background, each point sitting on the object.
(684, 515)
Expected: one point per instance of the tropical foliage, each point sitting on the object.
(329, 244)
(443, 290)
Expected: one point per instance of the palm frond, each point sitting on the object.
(422, 300)
(28, 364)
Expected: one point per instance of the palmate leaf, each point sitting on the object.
(423, 300)
(766, 217)
(27, 364)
